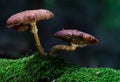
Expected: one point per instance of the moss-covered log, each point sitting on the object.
(35, 68)
(31, 69)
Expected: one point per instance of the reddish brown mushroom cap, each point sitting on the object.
(76, 37)
(20, 21)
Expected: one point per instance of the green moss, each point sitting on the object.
(31, 69)
(77, 74)
(35, 68)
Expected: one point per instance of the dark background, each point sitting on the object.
(101, 18)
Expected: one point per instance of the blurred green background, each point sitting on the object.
(97, 17)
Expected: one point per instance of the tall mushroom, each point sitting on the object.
(75, 38)
(27, 20)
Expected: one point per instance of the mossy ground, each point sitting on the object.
(90, 75)
(37, 69)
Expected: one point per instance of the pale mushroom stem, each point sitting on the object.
(34, 31)
(62, 47)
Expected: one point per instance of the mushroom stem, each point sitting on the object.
(62, 47)
(34, 31)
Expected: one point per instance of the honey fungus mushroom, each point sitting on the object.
(75, 38)
(27, 20)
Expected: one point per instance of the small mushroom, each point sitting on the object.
(75, 38)
(27, 20)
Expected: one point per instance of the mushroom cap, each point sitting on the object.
(20, 21)
(76, 37)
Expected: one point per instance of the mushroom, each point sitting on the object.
(27, 20)
(75, 38)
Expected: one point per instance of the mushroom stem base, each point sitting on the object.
(34, 31)
(62, 47)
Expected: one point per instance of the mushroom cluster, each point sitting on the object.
(27, 20)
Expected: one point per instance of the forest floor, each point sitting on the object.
(47, 69)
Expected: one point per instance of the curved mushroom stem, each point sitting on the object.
(62, 47)
(34, 31)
